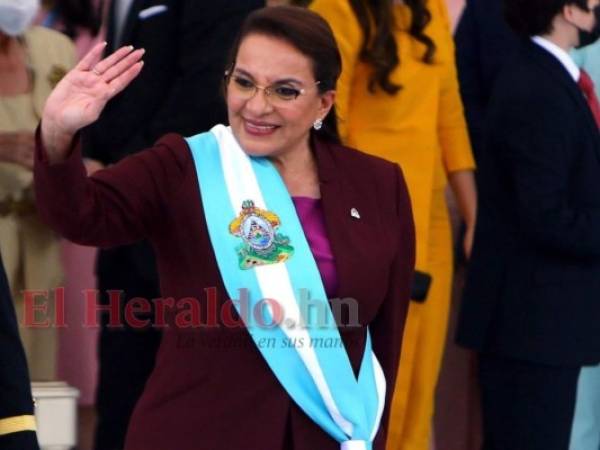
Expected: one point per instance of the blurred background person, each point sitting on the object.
(17, 423)
(398, 98)
(530, 306)
(80, 20)
(179, 90)
(32, 61)
(484, 43)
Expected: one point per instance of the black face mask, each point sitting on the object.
(589, 37)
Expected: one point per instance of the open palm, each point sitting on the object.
(82, 94)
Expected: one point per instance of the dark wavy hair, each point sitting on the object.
(308, 33)
(379, 47)
(534, 17)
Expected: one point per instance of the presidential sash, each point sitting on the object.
(262, 252)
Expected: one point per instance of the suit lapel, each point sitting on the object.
(332, 198)
(562, 76)
(351, 238)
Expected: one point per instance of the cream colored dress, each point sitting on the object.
(29, 249)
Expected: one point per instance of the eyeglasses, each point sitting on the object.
(278, 94)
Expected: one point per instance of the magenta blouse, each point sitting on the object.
(310, 213)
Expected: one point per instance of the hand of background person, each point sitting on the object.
(468, 241)
(82, 94)
(17, 148)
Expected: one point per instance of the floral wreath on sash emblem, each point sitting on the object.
(262, 244)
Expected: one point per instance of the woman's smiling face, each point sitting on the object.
(275, 121)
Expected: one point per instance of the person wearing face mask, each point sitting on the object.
(530, 305)
(32, 62)
(591, 36)
(484, 44)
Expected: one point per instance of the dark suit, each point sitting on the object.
(15, 390)
(211, 389)
(531, 296)
(484, 43)
(178, 90)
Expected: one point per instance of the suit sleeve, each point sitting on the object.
(452, 127)
(119, 205)
(469, 74)
(388, 327)
(537, 143)
(17, 424)
(348, 36)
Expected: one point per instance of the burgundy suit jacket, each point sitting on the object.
(211, 388)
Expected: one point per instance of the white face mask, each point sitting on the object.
(17, 15)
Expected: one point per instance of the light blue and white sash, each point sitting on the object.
(319, 378)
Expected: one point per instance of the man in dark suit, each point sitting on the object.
(17, 424)
(531, 304)
(484, 42)
(186, 44)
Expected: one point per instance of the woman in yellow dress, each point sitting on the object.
(398, 98)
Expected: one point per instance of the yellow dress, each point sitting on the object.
(29, 249)
(423, 129)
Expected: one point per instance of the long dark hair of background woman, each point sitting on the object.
(379, 49)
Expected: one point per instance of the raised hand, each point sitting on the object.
(82, 94)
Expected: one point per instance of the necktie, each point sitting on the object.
(587, 86)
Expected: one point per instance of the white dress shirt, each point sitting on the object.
(121, 11)
(564, 58)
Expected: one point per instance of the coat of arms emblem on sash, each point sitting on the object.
(262, 244)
